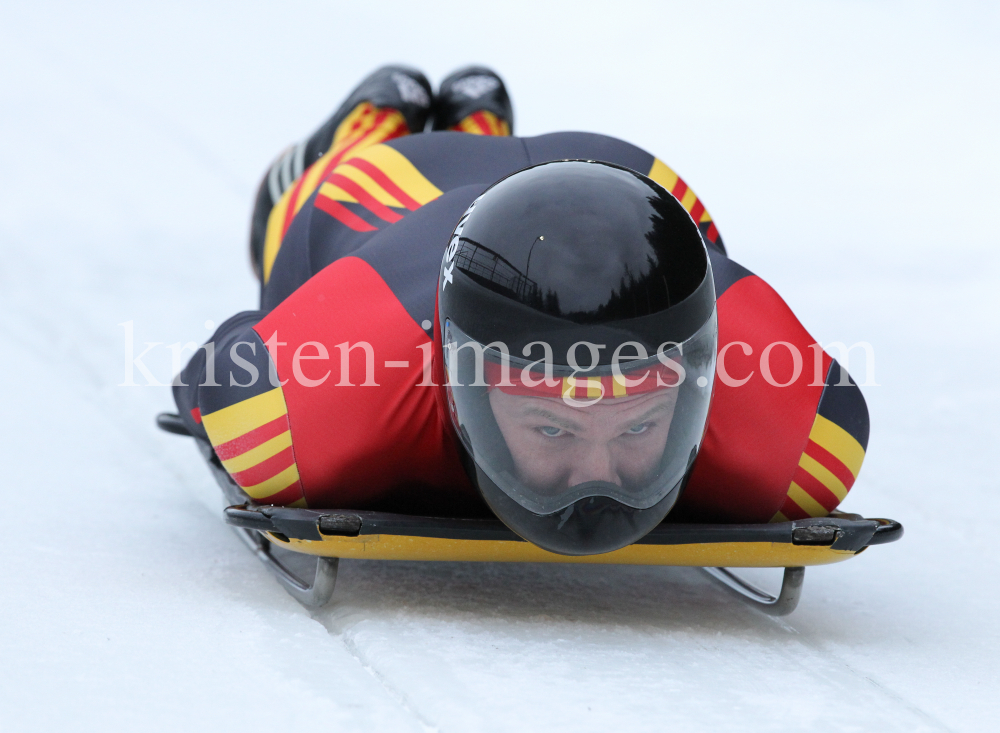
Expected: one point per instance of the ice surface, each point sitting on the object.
(848, 152)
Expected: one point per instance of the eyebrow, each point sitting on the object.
(662, 407)
(570, 425)
(552, 417)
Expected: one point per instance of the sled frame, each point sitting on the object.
(781, 605)
(314, 593)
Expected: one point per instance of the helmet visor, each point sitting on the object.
(550, 434)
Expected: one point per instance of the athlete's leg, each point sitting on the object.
(474, 100)
(391, 102)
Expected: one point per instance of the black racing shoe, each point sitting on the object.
(398, 87)
(469, 90)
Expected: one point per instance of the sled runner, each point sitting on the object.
(329, 535)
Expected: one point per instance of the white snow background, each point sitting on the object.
(848, 151)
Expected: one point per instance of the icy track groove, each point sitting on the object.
(864, 683)
(845, 162)
(393, 691)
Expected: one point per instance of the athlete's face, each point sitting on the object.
(556, 445)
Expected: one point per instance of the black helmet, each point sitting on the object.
(577, 312)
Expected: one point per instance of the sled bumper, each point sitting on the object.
(379, 536)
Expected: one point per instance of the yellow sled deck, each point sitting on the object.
(364, 535)
(329, 535)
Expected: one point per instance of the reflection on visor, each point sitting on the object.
(548, 436)
(628, 382)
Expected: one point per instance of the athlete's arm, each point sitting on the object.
(229, 396)
(788, 430)
(834, 451)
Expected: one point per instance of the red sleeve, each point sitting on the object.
(756, 431)
(362, 447)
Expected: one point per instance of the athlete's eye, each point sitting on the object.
(552, 432)
(638, 429)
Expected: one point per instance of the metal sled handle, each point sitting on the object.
(171, 423)
(784, 604)
(314, 594)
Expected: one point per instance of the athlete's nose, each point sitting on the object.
(595, 464)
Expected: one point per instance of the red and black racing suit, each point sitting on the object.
(356, 262)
